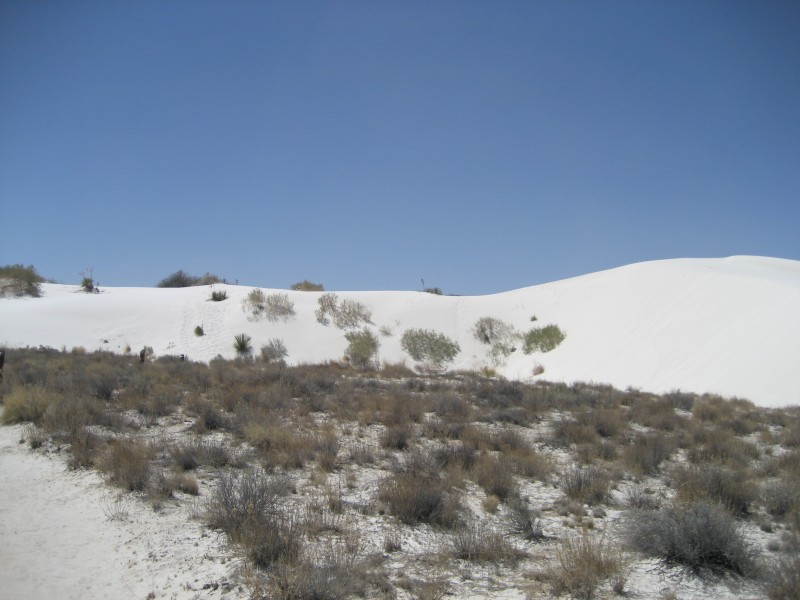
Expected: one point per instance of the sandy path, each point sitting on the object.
(58, 540)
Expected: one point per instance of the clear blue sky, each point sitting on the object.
(482, 146)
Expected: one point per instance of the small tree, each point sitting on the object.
(432, 347)
(362, 351)
(88, 283)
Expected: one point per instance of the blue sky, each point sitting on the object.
(482, 146)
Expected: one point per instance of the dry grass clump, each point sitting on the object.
(703, 538)
(415, 498)
(495, 476)
(583, 562)
(712, 445)
(27, 404)
(657, 413)
(523, 520)
(477, 543)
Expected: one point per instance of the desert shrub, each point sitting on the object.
(307, 286)
(477, 543)
(88, 284)
(702, 537)
(711, 445)
(583, 562)
(524, 521)
(242, 345)
(566, 432)
(27, 403)
(782, 580)
(350, 314)
(19, 281)
(273, 307)
(181, 279)
(640, 497)
(328, 304)
(127, 463)
(436, 291)
(727, 487)
(543, 339)
(647, 452)
(495, 476)
(239, 499)
(397, 436)
(590, 485)
(362, 350)
(198, 331)
(434, 348)
(208, 415)
(219, 295)
(415, 498)
(498, 335)
(781, 498)
(274, 352)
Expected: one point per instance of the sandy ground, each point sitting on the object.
(64, 534)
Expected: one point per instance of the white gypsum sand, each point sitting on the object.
(724, 326)
(65, 534)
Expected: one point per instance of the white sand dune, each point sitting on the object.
(728, 326)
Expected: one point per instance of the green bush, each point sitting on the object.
(544, 339)
(198, 331)
(19, 281)
(219, 295)
(307, 286)
(241, 343)
(362, 350)
(424, 345)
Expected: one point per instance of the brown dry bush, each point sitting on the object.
(657, 413)
(583, 563)
(606, 422)
(589, 485)
(495, 476)
(477, 543)
(720, 446)
(127, 464)
(782, 580)
(397, 437)
(567, 432)
(27, 404)
(414, 498)
(646, 453)
(730, 488)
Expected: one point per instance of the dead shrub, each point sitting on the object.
(781, 498)
(567, 432)
(524, 521)
(703, 538)
(239, 501)
(722, 447)
(589, 485)
(397, 437)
